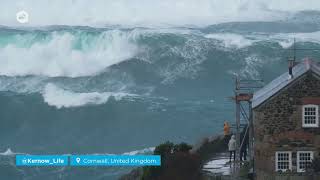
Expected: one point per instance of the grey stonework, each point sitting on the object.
(278, 127)
(286, 176)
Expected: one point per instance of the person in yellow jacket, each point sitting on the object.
(226, 129)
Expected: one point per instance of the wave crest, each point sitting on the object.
(68, 55)
(55, 96)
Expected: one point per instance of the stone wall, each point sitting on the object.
(286, 176)
(278, 125)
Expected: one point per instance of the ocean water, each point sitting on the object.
(120, 77)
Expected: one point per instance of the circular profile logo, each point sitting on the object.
(22, 17)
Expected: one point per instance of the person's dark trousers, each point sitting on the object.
(234, 155)
(243, 154)
(226, 138)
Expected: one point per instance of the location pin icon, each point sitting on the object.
(78, 160)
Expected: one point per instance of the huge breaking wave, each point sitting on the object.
(64, 54)
(46, 60)
(86, 53)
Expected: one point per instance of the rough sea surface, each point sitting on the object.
(120, 77)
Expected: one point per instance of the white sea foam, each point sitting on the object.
(59, 57)
(9, 152)
(193, 52)
(232, 40)
(134, 152)
(149, 12)
(286, 43)
(252, 63)
(286, 40)
(58, 97)
(251, 66)
(141, 151)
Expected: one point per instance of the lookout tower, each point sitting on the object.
(244, 91)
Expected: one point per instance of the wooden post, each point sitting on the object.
(251, 145)
(238, 130)
(238, 143)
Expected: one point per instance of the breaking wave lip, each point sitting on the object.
(46, 63)
(232, 40)
(9, 152)
(285, 40)
(150, 12)
(60, 98)
(141, 151)
(135, 152)
(59, 56)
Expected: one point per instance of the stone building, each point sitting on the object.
(286, 124)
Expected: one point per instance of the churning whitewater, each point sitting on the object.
(110, 77)
(48, 58)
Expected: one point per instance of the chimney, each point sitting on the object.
(291, 63)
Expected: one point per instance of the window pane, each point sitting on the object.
(304, 161)
(310, 115)
(283, 161)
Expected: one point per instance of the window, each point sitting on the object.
(310, 117)
(304, 160)
(283, 161)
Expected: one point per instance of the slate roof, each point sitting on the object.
(282, 81)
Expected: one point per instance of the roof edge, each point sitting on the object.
(283, 81)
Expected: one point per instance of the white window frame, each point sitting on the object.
(277, 161)
(303, 116)
(299, 169)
